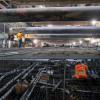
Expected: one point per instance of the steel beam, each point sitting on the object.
(2, 7)
(61, 31)
(50, 14)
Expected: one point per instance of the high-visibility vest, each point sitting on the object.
(81, 71)
(20, 35)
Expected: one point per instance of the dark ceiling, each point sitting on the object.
(55, 2)
(67, 1)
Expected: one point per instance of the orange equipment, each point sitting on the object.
(81, 71)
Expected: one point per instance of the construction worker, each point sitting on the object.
(20, 36)
(81, 71)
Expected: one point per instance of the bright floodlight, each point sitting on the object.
(35, 41)
(50, 25)
(10, 29)
(40, 6)
(74, 43)
(93, 22)
(42, 44)
(87, 39)
(93, 41)
(80, 42)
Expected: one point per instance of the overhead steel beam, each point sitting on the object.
(5, 1)
(2, 6)
(73, 23)
(50, 14)
(60, 30)
(57, 1)
(52, 9)
(64, 36)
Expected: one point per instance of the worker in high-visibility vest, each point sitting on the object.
(20, 36)
(81, 71)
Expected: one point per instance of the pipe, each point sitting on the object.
(29, 71)
(14, 79)
(51, 9)
(59, 30)
(53, 14)
(64, 27)
(8, 73)
(4, 97)
(2, 6)
(33, 83)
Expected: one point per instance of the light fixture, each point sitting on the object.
(93, 41)
(42, 44)
(80, 42)
(50, 25)
(93, 22)
(40, 6)
(87, 39)
(10, 29)
(35, 41)
(74, 43)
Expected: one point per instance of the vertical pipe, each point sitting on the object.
(10, 5)
(64, 81)
(4, 32)
(46, 87)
